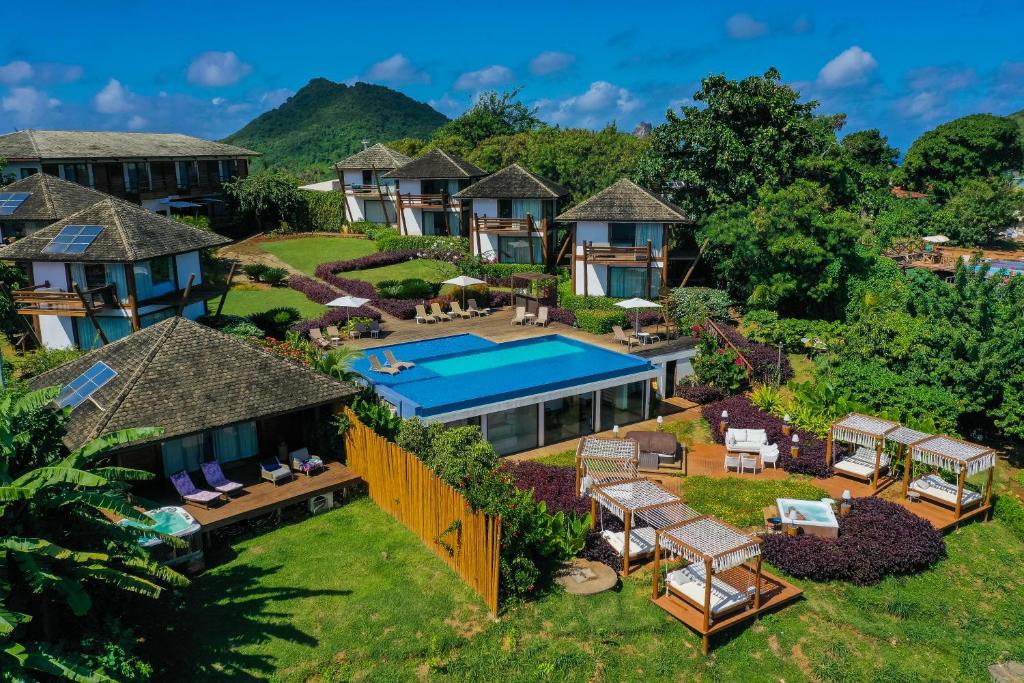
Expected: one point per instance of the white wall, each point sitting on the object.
(485, 207)
(596, 276)
(54, 273)
(488, 241)
(353, 206)
(14, 169)
(57, 332)
(412, 219)
(187, 264)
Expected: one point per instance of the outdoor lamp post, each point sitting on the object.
(794, 450)
(724, 424)
(787, 428)
(615, 431)
(844, 506)
(661, 423)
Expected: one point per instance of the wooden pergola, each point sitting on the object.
(600, 461)
(718, 587)
(870, 436)
(638, 500)
(955, 455)
(533, 290)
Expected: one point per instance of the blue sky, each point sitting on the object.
(208, 68)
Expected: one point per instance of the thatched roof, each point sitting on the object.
(379, 156)
(625, 202)
(130, 234)
(187, 378)
(437, 163)
(42, 145)
(50, 198)
(514, 182)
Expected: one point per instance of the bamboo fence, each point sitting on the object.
(468, 541)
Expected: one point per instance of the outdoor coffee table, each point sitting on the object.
(647, 338)
(311, 465)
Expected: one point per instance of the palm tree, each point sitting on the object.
(57, 540)
(338, 364)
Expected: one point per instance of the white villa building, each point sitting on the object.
(620, 240)
(425, 201)
(512, 216)
(369, 194)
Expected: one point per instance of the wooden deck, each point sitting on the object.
(262, 497)
(775, 592)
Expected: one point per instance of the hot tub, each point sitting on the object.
(173, 521)
(815, 517)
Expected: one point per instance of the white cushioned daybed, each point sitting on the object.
(938, 489)
(745, 440)
(689, 583)
(641, 541)
(862, 463)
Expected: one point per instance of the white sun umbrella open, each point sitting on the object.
(464, 281)
(636, 305)
(348, 302)
(936, 239)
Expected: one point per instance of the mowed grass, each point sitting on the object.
(741, 501)
(244, 301)
(307, 253)
(425, 269)
(351, 595)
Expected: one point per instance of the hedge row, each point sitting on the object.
(323, 210)
(447, 248)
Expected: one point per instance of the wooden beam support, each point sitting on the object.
(184, 296)
(626, 520)
(693, 265)
(88, 313)
(657, 566)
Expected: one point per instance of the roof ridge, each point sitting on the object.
(128, 246)
(108, 414)
(32, 140)
(44, 186)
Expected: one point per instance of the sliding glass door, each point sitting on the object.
(513, 430)
(622, 405)
(568, 418)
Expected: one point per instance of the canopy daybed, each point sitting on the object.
(868, 437)
(955, 455)
(643, 507)
(600, 461)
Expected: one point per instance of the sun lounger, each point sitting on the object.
(317, 337)
(457, 310)
(520, 317)
(641, 541)
(542, 317)
(273, 470)
(435, 310)
(189, 493)
(377, 367)
(389, 356)
(862, 464)
(334, 334)
(690, 581)
(215, 478)
(935, 488)
(422, 316)
(621, 337)
(473, 308)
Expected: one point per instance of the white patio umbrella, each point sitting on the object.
(635, 305)
(935, 239)
(464, 281)
(348, 302)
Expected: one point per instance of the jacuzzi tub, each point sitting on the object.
(818, 517)
(173, 521)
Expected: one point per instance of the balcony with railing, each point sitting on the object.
(603, 254)
(505, 225)
(41, 300)
(437, 202)
(370, 191)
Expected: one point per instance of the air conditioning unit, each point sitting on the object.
(321, 503)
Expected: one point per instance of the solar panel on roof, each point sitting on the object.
(10, 201)
(73, 239)
(85, 385)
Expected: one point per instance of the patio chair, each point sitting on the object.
(732, 461)
(375, 329)
(435, 310)
(358, 330)
(620, 336)
(215, 478)
(302, 461)
(189, 493)
(389, 356)
(473, 308)
(334, 334)
(520, 316)
(770, 456)
(542, 317)
(422, 316)
(748, 461)
(273, 470)
(317, 337)
(377, 367)
(457, 310)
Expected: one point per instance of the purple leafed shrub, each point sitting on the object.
(375, 260)
(699, 393)
(403, 309)
(764, 358)
(554, 485)
(745, 415)
(562, 315)
(876, 539)
(314, 290)
(499, 299)
(335, 316)
(598, 550)
(355, 287)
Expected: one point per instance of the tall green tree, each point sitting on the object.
(491, 115)
(978, 210)
(739, 137)
(266, 198)
(972, 147)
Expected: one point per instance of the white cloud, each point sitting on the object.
(137, 122)
(213, 69)
(744, 27)
(601, 102)
(396, 69)
(852, 66)
(114, 98)
(15, 72)
(551, 62)
(487, 77)
(941, 78)
(217, 101)
(448, 105)
(273, 99)
(26, 104)
(924, 106)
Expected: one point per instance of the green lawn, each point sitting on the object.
(351, 595)
(242, 301)
(741, 501)
(307, 253)
(426, 269)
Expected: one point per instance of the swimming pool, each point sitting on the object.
(818, 517)
(1001, 266)
(500, 357)
(170, 520)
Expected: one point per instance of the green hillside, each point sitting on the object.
(1019, 118)
(326, 121)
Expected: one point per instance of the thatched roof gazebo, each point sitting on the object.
(636, 501)
(954, 455)
(869, 436)
(600, 461)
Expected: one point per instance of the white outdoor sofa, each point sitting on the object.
(745, 440)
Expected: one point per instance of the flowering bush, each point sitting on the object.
(562, 315)
(764, 359)
(719, 366)
(450, 249)
(876, 539)
(744, 415)
(335, 316)
(554, 485)
(290, 350)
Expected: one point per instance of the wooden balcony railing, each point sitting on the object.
(370, 191)
(40, 300)
(487, 224)
(429, 201)
(618, 256)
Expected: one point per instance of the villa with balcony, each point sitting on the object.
(620, 241)
(30, 204)
(425, 200)
(158, 171)
(369, 194)
(108, 270)
(512, 216)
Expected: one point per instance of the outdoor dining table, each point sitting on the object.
(647, 338)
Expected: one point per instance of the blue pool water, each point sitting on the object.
(172, 521)
(464, 371)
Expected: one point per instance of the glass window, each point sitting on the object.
(184, 453)
(224, 170)
(434, 223)
(375, 212)
(161, 270)
(136, 176)
(464, 422)
(517, 249)
(568, 418)
(622, 234)
(186, 174)
(513, 430)
(624, 283)
(26, 172)
(622, 405)
(77, 173)
(235, 442)
(114, 327)
(154, 318)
